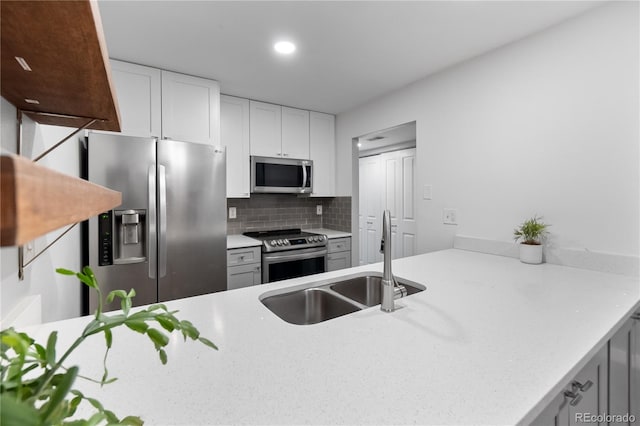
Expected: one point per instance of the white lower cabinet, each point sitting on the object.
(583, 397)
(624, 373)
(339, 254)
(243, 267)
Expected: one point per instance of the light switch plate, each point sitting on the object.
(232, 213)
(426, 192)
(319, 209)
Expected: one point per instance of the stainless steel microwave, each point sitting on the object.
(281, 175)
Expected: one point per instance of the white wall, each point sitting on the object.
(548, 125)
(60, 295)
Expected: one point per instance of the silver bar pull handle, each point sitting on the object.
(304, 176)
(575, 397)
(152, 230)
(583, 387)
(162, 219)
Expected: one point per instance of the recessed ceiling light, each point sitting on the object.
(284, 47)
(32, 101)
(359, 144)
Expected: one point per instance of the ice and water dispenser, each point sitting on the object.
(122, 237)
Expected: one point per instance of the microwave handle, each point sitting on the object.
(304, 176)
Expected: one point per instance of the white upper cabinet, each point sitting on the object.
(190, 108)
(322, 150)
(266, 129)
(138, 92)
(278, 131)
(295, 133)
(234, 135)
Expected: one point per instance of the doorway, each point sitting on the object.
(386, 161)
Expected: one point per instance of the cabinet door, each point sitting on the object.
(635, 367)
(266, 129)
(591, 383)
(295, 133)
(190, 109)
(234, 135)
(620, 371)
(138, 91)
(586, 396)
(340, 260)
(322, 151)
(243, 276)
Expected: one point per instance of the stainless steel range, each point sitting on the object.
(291, 253)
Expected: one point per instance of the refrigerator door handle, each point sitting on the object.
(162, 218)
(151, 220)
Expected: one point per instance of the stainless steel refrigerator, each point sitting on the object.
(168, 237)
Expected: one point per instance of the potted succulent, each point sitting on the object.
(532, 233)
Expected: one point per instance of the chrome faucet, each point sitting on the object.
(391, 290)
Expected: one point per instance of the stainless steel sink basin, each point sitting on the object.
(308, 306)
(323, 300)
(368, 289)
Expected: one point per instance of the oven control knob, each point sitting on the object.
(279, 242)
(272, 242)
(285, 242)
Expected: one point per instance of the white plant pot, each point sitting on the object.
(530, 253)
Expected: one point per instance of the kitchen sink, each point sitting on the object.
(308, 306)
(368, 289)
(324, 300)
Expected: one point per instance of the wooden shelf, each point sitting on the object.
(36, 200)
(63, 44)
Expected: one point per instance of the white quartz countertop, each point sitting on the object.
(490, 341)
(330, 233)
(239, 241)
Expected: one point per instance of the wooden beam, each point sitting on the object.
(62, 42)
(36, 200)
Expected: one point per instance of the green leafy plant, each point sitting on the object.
(532, 231)
(37, 389)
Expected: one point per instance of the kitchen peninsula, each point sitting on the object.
(490, 341)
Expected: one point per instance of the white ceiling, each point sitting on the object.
(347, 52)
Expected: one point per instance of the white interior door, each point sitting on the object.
(387, 182)
(399, 199)
(370, 210)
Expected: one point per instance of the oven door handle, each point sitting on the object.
(277, 258)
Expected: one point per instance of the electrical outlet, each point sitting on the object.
(450, 216)
(232, 212)
(319, 209)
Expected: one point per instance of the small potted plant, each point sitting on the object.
(532, 233)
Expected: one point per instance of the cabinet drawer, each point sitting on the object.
(339, 244)
(243, 256)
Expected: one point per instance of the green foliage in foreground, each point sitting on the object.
(37, 389)
(531, 231)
